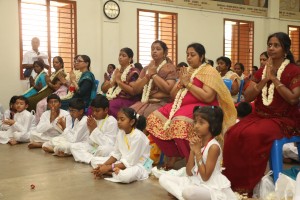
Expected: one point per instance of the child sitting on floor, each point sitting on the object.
(103, 130)
(9, 113)
(204, 179)
(74, 129)
(47, 127)
(130, 159)
(23, 122)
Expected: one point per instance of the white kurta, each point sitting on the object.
(133, 150)
(45, 129)
(6, 115)
(100, 143)
(191, 187)
(24, 123)
(76, 131)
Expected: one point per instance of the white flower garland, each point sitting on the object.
(267, 100)
(147, 87)
(180, 95)
(114, 91)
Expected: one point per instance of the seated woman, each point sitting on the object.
(120, 92)
(224, 65)
(38, 82)
(156, 81)
(198, 85)
(86, 84)
(276, 91)
(53, 84)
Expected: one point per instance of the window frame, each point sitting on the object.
(74, 27)
(297, 56)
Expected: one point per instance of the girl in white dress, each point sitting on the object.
(130, 159)
(205, 180)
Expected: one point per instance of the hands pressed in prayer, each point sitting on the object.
(271, 72)
(118, 75)
(184, 76)
(91, 123)
(61, 123)
(195, 144)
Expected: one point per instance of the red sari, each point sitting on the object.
(248, 143)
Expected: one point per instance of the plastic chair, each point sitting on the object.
(276, 154)
(228, 83)
(240, 90)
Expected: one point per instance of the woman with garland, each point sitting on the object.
(276, 91)
(156, 81)
(198, 85)
(120, 91)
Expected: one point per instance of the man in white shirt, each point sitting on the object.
(34, 55)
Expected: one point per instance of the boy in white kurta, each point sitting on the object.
(130, 159)
(103, 131)
(9, 113)
(19, 127)
(48, 127)
(74, 130)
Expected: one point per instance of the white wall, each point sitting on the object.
(101, 38)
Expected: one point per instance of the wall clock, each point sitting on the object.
(111, 9)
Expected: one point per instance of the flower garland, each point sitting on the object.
(147, 87)
(114, 91)
(268, 94)
(180, 95)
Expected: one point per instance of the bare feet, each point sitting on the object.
(33, 145)
(13, 142)
(62, 154)
(48, 149)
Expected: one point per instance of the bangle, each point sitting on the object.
(189, 85)
(153, 75)
(200, 162)
(279, 85)
(112, 166)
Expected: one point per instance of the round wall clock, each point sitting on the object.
(111, 9)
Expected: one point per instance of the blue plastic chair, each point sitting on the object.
(276, 154)
(228, 83)
(240, 90)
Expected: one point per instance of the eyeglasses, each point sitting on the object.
(78, 61)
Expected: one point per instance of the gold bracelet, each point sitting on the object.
(154, 76)
(189, 85)
(281, 84)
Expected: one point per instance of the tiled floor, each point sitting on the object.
(62, 178)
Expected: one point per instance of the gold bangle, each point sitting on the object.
(154, 75)
(189, 85)
(281, 84)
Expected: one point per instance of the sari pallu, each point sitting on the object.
(182, 121)
(40, 79)
(45, 92)
(248, 143)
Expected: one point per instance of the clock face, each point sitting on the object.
(111, 9)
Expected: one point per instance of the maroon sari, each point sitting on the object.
(248, 143)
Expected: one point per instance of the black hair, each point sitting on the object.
(163, 45)
(13, 100)
(41, 64)
(264, 54)
(113, 66)
(226, 60)
(182, 64)
(140, 120)
(77, 104)
(211, 62)
(129, 53)
(285, 43)
(53, 96)
(22, 98)
(86, 59)
(255, 67)
(243, 109)
(199, 48)
(213, 115)
(139, 66)
(241, 66)
(60, 60)
(100, 101)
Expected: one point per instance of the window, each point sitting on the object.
(54, 23)
(294, 33)
(238, 42)
(154, 25)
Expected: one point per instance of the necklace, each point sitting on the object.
(114, 91)
(180, 95)
(147, 87)
(268, 94)
(126, 139)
